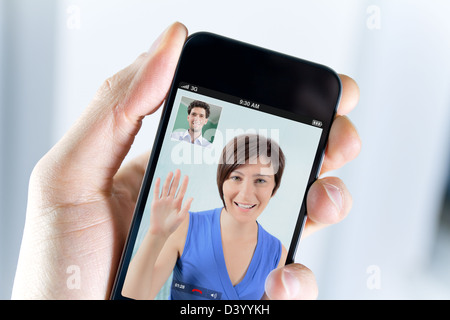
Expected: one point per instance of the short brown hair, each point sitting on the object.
(199, 104)
(244, 149)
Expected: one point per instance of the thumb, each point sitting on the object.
(94, 148)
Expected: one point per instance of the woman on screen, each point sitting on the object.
(223, 253)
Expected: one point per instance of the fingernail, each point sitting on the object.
(335, 195)
(156, 43)
(290, 282)
(161, 37)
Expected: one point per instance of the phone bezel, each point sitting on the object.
(254, 73)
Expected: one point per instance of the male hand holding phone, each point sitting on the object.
(81, 200)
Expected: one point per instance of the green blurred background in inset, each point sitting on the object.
(182, 124)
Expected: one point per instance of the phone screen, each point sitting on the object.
(248, 128)
(218, 119)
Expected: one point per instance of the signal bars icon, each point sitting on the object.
(186, 86)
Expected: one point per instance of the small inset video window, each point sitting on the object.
(196, 122)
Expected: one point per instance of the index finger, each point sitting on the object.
(349, 96)
(183, 188)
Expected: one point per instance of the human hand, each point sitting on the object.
(328, 200)
(78, 196)
(79, 203)
(166, 211)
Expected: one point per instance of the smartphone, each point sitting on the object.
(241, 139)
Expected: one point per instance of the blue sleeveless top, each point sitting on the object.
(201, 272)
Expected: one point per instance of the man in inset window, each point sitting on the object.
(198, 114)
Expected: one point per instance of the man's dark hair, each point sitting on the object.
(199, 104)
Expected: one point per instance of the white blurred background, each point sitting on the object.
(395, 244)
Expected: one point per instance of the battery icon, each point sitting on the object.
(317, 123)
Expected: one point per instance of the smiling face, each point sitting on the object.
(197, 119)
(249, 174)
(247, 191)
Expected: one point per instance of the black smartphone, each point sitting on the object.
(242, 137)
